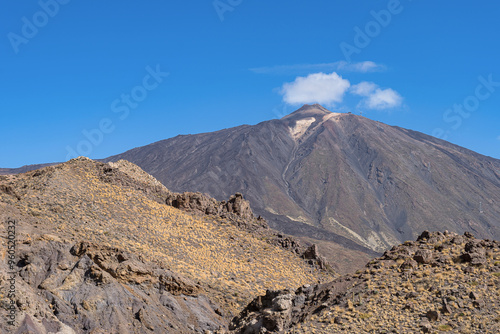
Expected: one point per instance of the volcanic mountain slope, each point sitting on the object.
(336, 177)
(443, 282)
(23, 169)
(100, 251)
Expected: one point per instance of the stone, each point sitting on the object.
(299, 300)
(144, 318)
(446, 309)
(423, 256)
(432, 315)
(283, 302)
(479, 304)
(469, 235)
(458, 240)
(239, 206)
(409, 264)
(426, 327)
(424, 236)
(312, 253)
(473, 295)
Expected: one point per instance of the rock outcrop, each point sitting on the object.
(236, 207)
(87, 288)
(441, 282)
(238, 211)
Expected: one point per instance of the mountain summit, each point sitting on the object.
(308, 110)
(338, 178)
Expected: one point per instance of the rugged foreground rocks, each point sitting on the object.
(107, 249)
(86, 288)
(441, 282)
(102, 249)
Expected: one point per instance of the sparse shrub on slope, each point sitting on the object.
(121, 208)
(441, 282)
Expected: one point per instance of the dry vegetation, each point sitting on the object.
(446, 291)
(83, 199)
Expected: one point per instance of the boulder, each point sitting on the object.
(423, 256)
(432, 315)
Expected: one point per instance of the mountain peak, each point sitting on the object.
(308, 110)
(313, 106)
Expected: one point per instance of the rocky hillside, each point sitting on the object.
(23, 169)
(82, 287)
(439, 283)
(108, 249)
(354, 185)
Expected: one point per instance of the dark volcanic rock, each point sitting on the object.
(388, 298)
(87, 288)
(432, 315)
(312, 253)
(423, 256)
(474, 253)
(236, 206)
(194, 202)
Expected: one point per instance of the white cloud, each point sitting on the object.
(384, 99)
(375, 97)
(364, 88)
(322, 88)
(362, 67)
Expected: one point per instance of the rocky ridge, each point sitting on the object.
(82, 226)
(441, 282)
(237, 210)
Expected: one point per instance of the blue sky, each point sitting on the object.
(101, 77)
